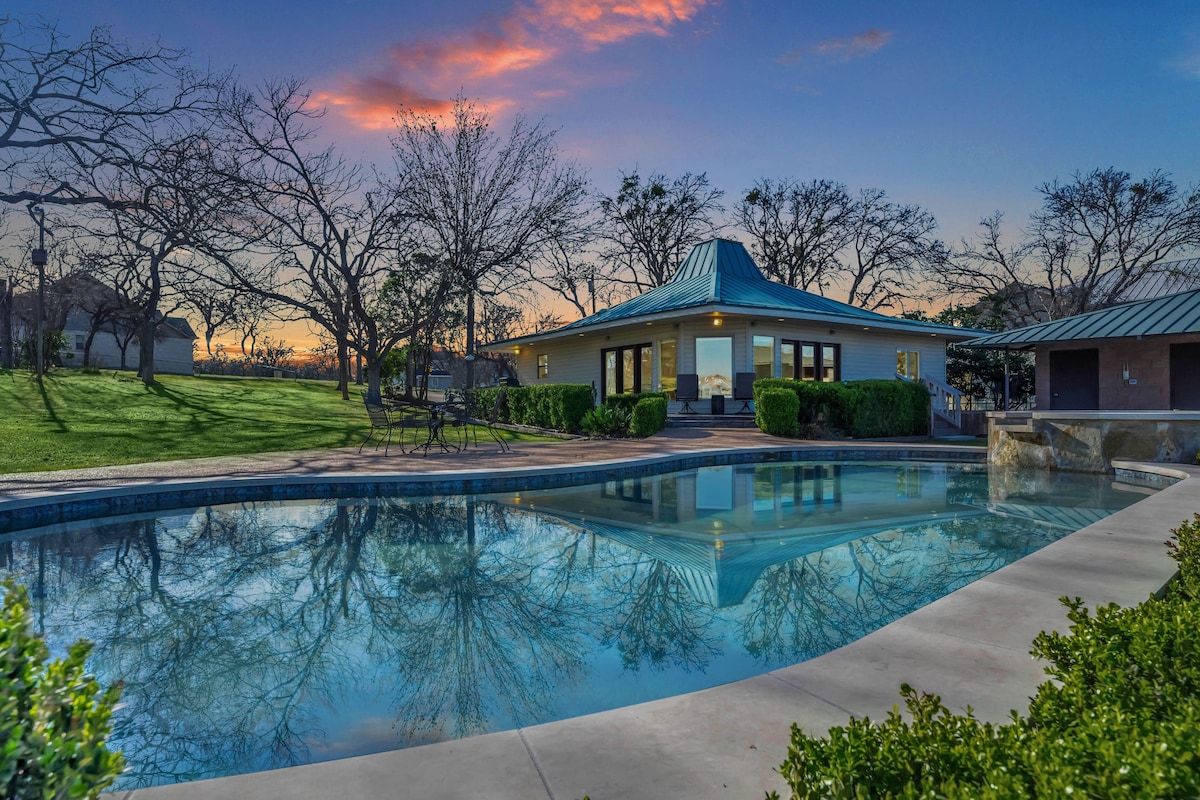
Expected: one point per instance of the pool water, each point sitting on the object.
(262, 635)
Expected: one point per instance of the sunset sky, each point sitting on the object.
(962, 107)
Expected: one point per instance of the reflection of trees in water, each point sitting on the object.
(241, 632)
(236, 631)
(492, 629)
(652, 619)
(811, 605)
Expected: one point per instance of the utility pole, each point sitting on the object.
(39, 261)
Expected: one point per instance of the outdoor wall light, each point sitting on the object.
(716, 322)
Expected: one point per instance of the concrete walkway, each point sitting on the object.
(971, 647)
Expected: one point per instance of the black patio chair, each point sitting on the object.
(490, 420)
(743, 389)
(381, 423)
(687, 389)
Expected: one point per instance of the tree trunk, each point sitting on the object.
(146, 352)
(471, 338)
(374, 367)
(87, 348)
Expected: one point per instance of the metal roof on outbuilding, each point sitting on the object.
(721, 273)
(1160, 316)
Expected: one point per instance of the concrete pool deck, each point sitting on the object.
(971, 647)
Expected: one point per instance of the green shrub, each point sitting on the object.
(1184, 547)
(557, 406)
(1120, 718)
(862, 409)
(54, 717)
(649, 415)
(776, 411)
(628, 400)
(886, 408)
(606, 421)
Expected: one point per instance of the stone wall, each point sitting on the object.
(1089, 441)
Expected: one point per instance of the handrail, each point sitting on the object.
(944, 400)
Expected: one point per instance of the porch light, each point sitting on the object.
(716, 322)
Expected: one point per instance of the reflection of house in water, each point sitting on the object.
(720, 527)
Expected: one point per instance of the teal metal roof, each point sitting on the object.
(1177, 313)
(720, 272)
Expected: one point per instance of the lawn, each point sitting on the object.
(89, 420)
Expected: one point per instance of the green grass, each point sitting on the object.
(89, 420)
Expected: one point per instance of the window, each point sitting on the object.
(908, 364)
(714, 365)
(818, 361)
(831, 363)
(626, 369)
(764, 357)
(543, 366)
(666, 366)
(80, 340)
(787, 359)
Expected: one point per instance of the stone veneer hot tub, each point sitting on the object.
(1089, 441)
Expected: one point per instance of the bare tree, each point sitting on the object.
(487, 205)
(797, 229)
(890, 247)
(71, 110)
(330, 229)
(1111, 230)
(1091, 240)
(651, 227)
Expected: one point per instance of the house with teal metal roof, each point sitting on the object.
(719, 318)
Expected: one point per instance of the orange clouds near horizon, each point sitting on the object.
(423, 74)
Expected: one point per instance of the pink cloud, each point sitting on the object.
(842, 48)
(534, 34)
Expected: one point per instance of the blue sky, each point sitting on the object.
(962, 107)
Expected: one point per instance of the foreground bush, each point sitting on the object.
(629, 400)
(1121, 718)
(54, 719)
(862, 409)
(649, 416)
(555, 406)
(776, 411)
(606, 421)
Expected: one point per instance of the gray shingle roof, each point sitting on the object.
(1177, 313)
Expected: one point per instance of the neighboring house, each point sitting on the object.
(73, 302)
(1143, 355)
(719, 317)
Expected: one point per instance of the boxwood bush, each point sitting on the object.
(628, 400)
(649, 415)
(776, 411)
(556, 406)
(54, 717)
(862, 409)
(1120, 717)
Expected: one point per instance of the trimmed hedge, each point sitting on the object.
(776, 411)
(862, 409)
(556, 406)
(649, 415)
(628, 400)
(1120, 717)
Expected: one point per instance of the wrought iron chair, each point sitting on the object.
(381, 423)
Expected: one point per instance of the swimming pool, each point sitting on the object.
(253, 636)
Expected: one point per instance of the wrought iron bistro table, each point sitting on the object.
(437, 431)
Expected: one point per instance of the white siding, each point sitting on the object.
(172, 356)
(865, 353)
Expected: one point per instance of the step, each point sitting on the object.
(710, 421)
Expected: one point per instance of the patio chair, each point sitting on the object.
(743, 389)
(493, 417)
(687, 389)
(381, 423)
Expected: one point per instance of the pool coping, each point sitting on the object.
(970, 646)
